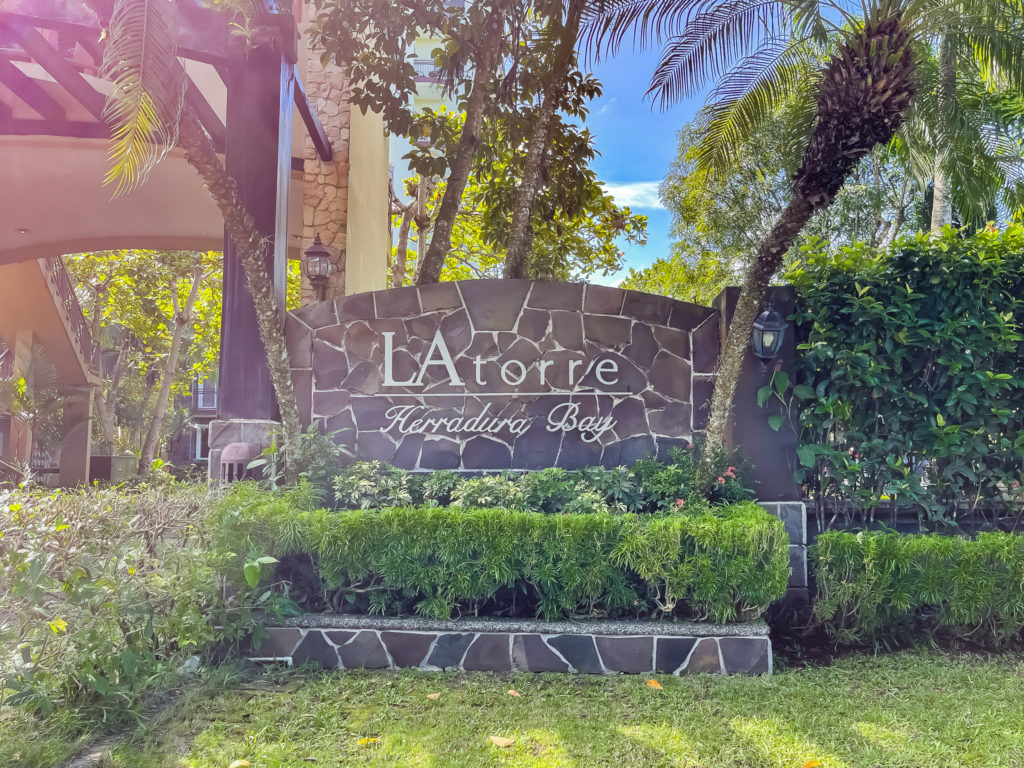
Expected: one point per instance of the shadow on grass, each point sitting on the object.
(911, 709)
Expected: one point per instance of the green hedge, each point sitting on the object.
(882, 586)
(724, 564)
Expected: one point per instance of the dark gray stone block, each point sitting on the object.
(299, 340)
(486, 453)
(329, 366)
(356, 307)
(408, 452)
(331, 402)
(794, 516)
(579, 651)
(671, 421)
(647, 307)
(547, 295)
(632, 655)
(607, 331)
(365, 650)
(704, 658)
(319, 314)
(397, 302)
(449, 650)
(364, 379)
(456, 331)
(672, 652)
(407, 649)
(494, 305)
(315, 648)
(567, 329)
(340, 637)
(674, 340)
(536, 448)
(533, 324)
(703, 389)
(706, 342)
(643, 347)
(531, 654)
(797, 565)
(439, 296)
(688, 316)
(746, 655)
(439, 453)
(670, 375)
(280, 641)
(488, 653)
(602, 300)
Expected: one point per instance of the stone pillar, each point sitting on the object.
(325, 187)
(74, 451)
(771, 453)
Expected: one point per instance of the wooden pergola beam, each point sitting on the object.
(59, 68)
(321, 142)
(29, 91)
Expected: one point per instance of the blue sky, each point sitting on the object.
(636, 142)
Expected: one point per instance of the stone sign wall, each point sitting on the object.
(499, 374)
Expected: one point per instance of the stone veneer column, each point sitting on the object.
(325, 184)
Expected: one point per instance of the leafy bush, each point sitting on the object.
(104, 594)
(650, 486)
(371, 484)
(889, 586)
(724, 564)
(910, 388)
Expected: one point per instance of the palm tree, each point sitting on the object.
(759, 50)
(148, 114)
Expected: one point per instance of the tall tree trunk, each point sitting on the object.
(400, 265)
(942, 197)
(864, 94)
(432, 263)
(252, 248)
(105, 402)
(104, 417)
(520, 236)
(421, 218)
(182, 317)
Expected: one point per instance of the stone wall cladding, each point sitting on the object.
(325, 184)
(339, 349)
(794, 515)
(391, 647)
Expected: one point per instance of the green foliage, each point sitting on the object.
(909, 386)
(649, 487)
(105, 593)
(883, 586)
(725, 564)
(319, 459)
(371, 485)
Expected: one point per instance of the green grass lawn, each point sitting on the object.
(914, 709)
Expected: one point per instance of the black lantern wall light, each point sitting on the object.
(318, 267)
(769, 331)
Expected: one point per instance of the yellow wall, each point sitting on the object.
(369, 231)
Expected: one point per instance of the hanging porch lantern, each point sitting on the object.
(769, 331)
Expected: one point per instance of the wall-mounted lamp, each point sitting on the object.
(318, 267)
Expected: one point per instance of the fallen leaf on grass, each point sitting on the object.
(514, 693)
(812, 764)
(240, 764)
(433, 696)
(368, 740)
(501, 741)
(654, 684)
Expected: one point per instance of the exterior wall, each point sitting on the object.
(369, 225)
(556, 338)
(607, 647)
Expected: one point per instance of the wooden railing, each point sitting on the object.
(64, 291)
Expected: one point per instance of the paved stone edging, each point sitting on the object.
(367, 642)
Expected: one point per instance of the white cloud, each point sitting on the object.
(635, 194)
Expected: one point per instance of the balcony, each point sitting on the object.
(205, 397)
(426, 71)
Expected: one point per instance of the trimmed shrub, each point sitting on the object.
(876, 586)
(910, 389)
(724, 564)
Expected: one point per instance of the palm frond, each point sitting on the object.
(607, 23)
(751, 93)
(712, 41)
(147, 95)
